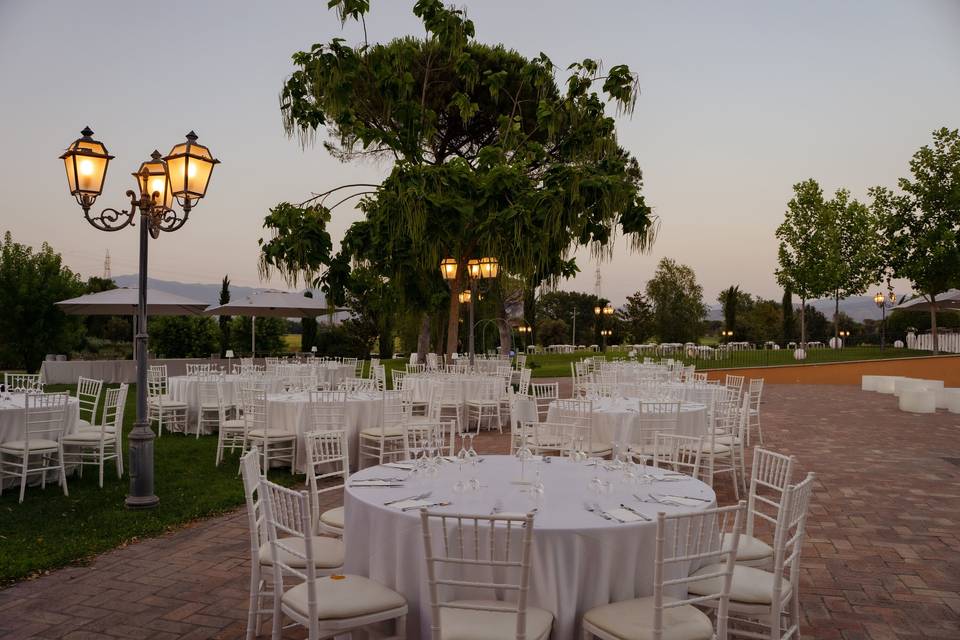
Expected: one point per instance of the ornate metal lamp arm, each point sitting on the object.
(110, 219)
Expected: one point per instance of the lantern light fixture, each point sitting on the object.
(86, 162)
(473, 269)
(464, 296)
(190, 166)
(448, 269)
(489, 268)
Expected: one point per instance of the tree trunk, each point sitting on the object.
(453, 331)
(933, 325)
(423, 340)
(836, 318)
(803, 323)
(530, 305)
(503, 327)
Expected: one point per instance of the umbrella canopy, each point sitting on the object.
(277, 304)
(945, 302)
(123, 302)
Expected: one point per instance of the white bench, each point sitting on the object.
(948, 397)
(918, 400)
(869, 383)
(886, 384)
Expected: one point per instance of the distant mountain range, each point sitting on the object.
(859, 308)
(209, 293)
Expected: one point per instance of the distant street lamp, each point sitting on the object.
(524, 331)
(881, 301)
(603, 336)
(727, 333)
(182, 175)
(477, 270)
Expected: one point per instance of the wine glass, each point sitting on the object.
(474, 463)
(462, 456)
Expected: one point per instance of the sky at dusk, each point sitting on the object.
(739, 101)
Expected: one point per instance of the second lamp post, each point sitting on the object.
(477, 271)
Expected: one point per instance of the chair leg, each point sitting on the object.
(101, 467)
(23, 477)
(253, 610)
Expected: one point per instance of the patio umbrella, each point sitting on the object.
(124, 301)
(275, 304)
(945, 302)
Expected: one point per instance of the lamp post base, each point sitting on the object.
(141, 469)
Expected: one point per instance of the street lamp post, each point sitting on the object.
(600, 312)
(182, 175)
(727, 333)
(477, 270)
(881, 301)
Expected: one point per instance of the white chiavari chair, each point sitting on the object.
(458, 543)
(766, 604)
(769, 478)
(544, 393)
(683, 540)
(446, 402)
(720, 443)
(275, 444)
(357, 385)
(88, 395)
(96, 445)
(652, 418)
(416, 368)
(379, 376)
(22, 382)
(328, 468)
(384, 442)
(754, 392)
(210, 397)
(160, 407)
(230, 431)
(483, 402)
(734, 383)
(524, 385)
(326, 608)
(396, 379)
(579, 413)
(678, 453)
(41, 449)
(328, 553)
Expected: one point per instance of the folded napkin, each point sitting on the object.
(623, 515)
(406, 466)
(377, 482)
(683, 500)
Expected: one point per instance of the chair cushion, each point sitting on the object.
(87, 436)
(327, 553)
(750, 585)
(725, 441)
(633, 620)
(393, 431)
(271, 434)
(97, 428)
(333, 518)
(465, 624)
(349, 597)
(749, 548)
(167, 403)
(81, 423)
(35, 445)
(233, 424)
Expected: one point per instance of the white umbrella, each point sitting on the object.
(945, 301)
(123, 302)
(276, 304)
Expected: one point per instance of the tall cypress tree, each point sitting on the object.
(224, 320)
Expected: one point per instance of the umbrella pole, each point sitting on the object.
(253, 336)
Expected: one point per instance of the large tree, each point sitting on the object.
(729, 299)
(636, 317)
(678, 308)
(802, 251)
(489, 156)
(922, 224)
(31, 325)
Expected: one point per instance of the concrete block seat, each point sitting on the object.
(869, 383)
(948, 397)
(901, 384)
(886, 384)
(918, 400)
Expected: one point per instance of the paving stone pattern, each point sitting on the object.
(881, 561)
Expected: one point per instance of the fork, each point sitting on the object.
(422, 496)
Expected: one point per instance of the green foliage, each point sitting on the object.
(30, 283)
(552, 331)
(730, 299)
(922, 224)
(788, 325)
(900, 322)
(562, 305)
(270, 332)
(343, 341)
(636, 319)
(224, 321)
(802, 236)
(677, 301)
(818, 327)
(300, 245)
(759, 321)
(183, 336)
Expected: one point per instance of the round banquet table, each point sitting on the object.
(580, 559)
(291, 411)
(13, 425)
(615, 419)
(420, 384)
(332, 373)
(186, 389)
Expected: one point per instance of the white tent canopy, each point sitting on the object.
(276, 304)
(123, 302)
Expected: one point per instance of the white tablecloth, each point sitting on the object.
(110, 371)
(615, 419)
(186, 389)
(290, 411)
(420, 384)
(580, 560)
(13, 422)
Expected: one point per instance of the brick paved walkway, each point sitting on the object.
(882, 559)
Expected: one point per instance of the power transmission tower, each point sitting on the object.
(106, 266)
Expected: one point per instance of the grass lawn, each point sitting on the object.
(50, 530)
(557, 365)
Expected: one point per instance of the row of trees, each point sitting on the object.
(838, 246)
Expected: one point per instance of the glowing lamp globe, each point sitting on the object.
(86, 163)
(189, 166)
(154, 182)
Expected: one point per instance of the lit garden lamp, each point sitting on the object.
(881, 301)
(183, 175)
(477, 270)
(727, 333)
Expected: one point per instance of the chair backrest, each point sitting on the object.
(521, 361)
(327, 457)
(352, 385)
(787, 545)
(379, 376)
(465, 543)
(418, 432)
(250, 470)
(208, 393)
(543, 394)
(416, 368)
(88, 395)
(22, 382)
(157, 380)
(328, 410)
(254, 400)
(654, 418)
(769, 478)
(396, 378)
(289, 517)
(735, 383)
(677, 452)
(114, 402)
(695, 539)
(524, 386)
(755, 390)
(45, 416)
